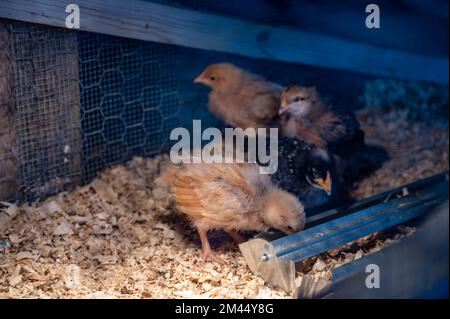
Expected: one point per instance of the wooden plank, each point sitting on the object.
(153, 22)
(420, 27)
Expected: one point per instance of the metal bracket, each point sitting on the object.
(262, 260)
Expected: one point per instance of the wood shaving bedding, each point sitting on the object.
(118, 237)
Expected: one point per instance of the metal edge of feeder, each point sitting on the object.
(262, 261)
(376, 218)
(278, 268)
(312, 287)
(343, 210)
(410, 256)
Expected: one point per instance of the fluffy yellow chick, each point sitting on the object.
(231, 197)
(240, 98)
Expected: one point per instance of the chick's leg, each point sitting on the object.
(207, 253)
(237, 238)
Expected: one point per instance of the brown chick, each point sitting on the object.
(231, 197)
(305, 116)
(240, 98)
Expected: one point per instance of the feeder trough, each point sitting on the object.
(274, 258)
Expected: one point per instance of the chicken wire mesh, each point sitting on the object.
(8, 161)
(73, 103)
(129, 99)
(42, 154)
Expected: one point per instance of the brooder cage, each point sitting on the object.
(74, 103)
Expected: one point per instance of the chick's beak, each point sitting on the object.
(327, 184)
(327, 190)
(289, 231)
(283, 108)
(199, 79)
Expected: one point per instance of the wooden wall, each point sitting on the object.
(410, 25)
(329, 36)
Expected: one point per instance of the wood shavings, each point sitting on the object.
(105, 260)
(14, 239)
(319, 265)
(15, 278)
(72, 276)
(7, 213)
(11, 209)
(102, 228)
(50, 208)
(358, 255)
(32, 274)
(118, 237)
(27, 255)
(64, 228)
(113, 238)
(416, 150)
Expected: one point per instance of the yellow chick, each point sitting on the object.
(240, 98)
(233, 198)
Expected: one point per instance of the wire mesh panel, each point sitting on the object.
(47, 119)
(73, 103)
(129, 99)
(9, 167)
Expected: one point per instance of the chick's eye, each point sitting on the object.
(299, 98)
(212, 78)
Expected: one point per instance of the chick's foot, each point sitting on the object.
(207, 253)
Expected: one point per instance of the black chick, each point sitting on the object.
(309, 173)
